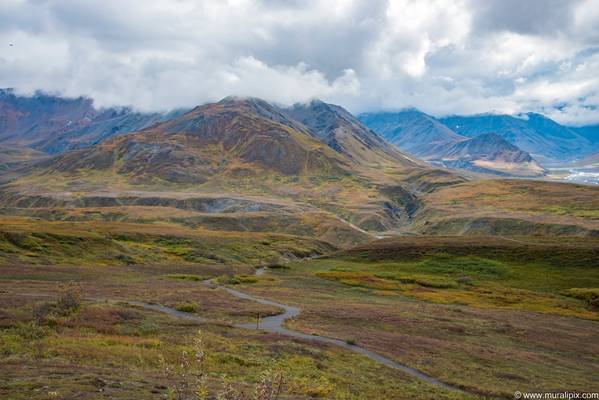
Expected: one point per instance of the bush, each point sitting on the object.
(186, 307)
(70, 300)
(41, 312)
(238, 279)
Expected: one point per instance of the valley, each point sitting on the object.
(367, 271)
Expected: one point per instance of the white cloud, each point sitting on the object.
(450, 56)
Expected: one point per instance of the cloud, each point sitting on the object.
(450, 56)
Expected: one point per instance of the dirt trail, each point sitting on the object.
(274, 324)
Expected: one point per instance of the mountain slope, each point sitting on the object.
(413, 131)
(53, 124)
(26, 120)
(422, 135)
(108, 123)
(230, 137)
(10, 157)
(542, 137)
(344, 133)
(590, 132)
(244, 165)
(491, 153)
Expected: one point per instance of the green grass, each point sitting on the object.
(187, 277)
(487, 276)
(117, 349)
(590, 295)
(187, 307)
(28, 241)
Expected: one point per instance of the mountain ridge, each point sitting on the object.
(424, 136)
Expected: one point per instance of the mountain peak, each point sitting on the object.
(343, 132)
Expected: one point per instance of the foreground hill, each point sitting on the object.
(424, 136)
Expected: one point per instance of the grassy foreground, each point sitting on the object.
(489, 315)
(110, 349)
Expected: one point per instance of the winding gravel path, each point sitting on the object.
(274, 324)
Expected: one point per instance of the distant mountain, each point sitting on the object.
(590, 132)
(344, 133)
(424, 136)
(108, 123)
(591, 160)
(53, 124)
(27, 120)
(491, 153)
(542, 137)
(413, 131)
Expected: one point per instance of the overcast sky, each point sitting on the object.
(443, 57)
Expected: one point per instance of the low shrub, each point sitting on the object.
(187, 277)
(590, 295)
(187, 307)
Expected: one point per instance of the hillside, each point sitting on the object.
(543, 138)
(27, 120)
(344, 133)
(589, 132)
(13, 156)
(413, 131)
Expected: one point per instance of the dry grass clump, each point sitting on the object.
(188, 379)
(68, 302)
(590, 295)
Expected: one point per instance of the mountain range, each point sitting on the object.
(52, 124)
(426, 137)
(43, 125)
(546, 140)
(241, 163)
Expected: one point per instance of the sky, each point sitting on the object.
(441, 56)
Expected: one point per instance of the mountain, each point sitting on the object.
(109, 122)
(232, 137)
(311, 171)
(589, 132)
(412, 131)
(424, 136)
(52, 124)
(543, 138)
(27, 120)
(344, 133)
(491, 153)
(240, 154)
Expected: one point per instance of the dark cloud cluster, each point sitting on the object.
(449, 56)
